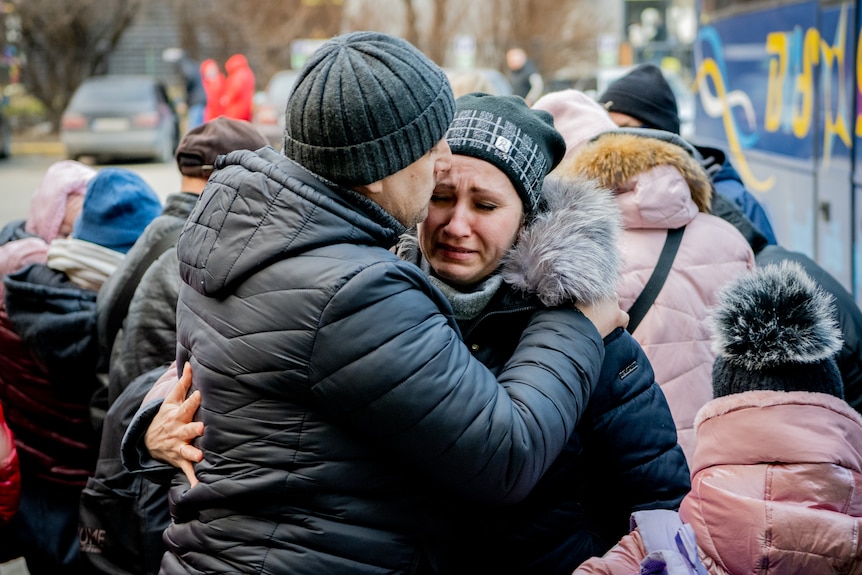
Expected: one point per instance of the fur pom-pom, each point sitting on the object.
(773, 316)
(569, 252)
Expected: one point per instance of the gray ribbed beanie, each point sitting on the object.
(366, 105)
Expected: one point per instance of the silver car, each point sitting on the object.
(120, 117)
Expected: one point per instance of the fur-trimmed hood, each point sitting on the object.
(615, 158)
(569, 252)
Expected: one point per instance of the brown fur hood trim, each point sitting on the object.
(615, 158)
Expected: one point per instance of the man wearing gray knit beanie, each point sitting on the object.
(346, 423)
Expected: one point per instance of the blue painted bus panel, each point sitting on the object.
(777, 89)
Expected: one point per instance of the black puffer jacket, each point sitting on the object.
(148, 335)
(345, 420)
(624, 455)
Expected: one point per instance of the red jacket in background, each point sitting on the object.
(213, 81)
(10, 473)
(236, 100)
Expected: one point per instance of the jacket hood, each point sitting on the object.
(235, 62)
(615, 158)
(259, 207)
(570, 251)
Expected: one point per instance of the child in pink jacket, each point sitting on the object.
(778, 460)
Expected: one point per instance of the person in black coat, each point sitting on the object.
(346, 421)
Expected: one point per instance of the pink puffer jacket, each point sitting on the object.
(776, 488)
(658, 187)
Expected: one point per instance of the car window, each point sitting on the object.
(120, 91)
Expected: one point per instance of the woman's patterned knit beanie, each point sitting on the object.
(366, 105)
(504, 131)
(775, 329)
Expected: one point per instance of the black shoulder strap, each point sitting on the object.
(117, 313)
(656, 280)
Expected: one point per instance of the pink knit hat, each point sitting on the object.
(48, 204)
(577, 117)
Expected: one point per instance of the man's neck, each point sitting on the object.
(193, 185)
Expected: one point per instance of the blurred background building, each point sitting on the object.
(50, 46)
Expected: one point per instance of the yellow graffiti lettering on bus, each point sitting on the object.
(835, 120)
(859, 84)
(804, 89)
(709, 69)
(776, 43)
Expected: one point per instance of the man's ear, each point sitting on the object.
(369, 190)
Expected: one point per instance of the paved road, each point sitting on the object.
(21, 174)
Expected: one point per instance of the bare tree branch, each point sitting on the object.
(65, 41)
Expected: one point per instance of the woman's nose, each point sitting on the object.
(459, 223)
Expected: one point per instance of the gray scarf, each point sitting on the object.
(466, 305)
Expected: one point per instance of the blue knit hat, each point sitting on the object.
(365, 106)
(118, 205)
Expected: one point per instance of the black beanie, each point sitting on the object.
(366, 105)
(644, 94)
(775, 328)
(504, 131)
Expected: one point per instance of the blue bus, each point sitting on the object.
(778, 85)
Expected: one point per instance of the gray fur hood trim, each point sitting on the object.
(570, 252)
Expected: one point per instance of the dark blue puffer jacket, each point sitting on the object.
(346, 423)
(623, 456)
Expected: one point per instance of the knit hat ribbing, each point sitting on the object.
(503, 131)
(200, 147)
(118, 205)
(775, 328)
(644, 94)
(365, 106)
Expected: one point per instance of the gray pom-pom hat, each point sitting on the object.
(775, 329)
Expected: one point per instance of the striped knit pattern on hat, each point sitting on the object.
(502, 130)
(365, 106)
